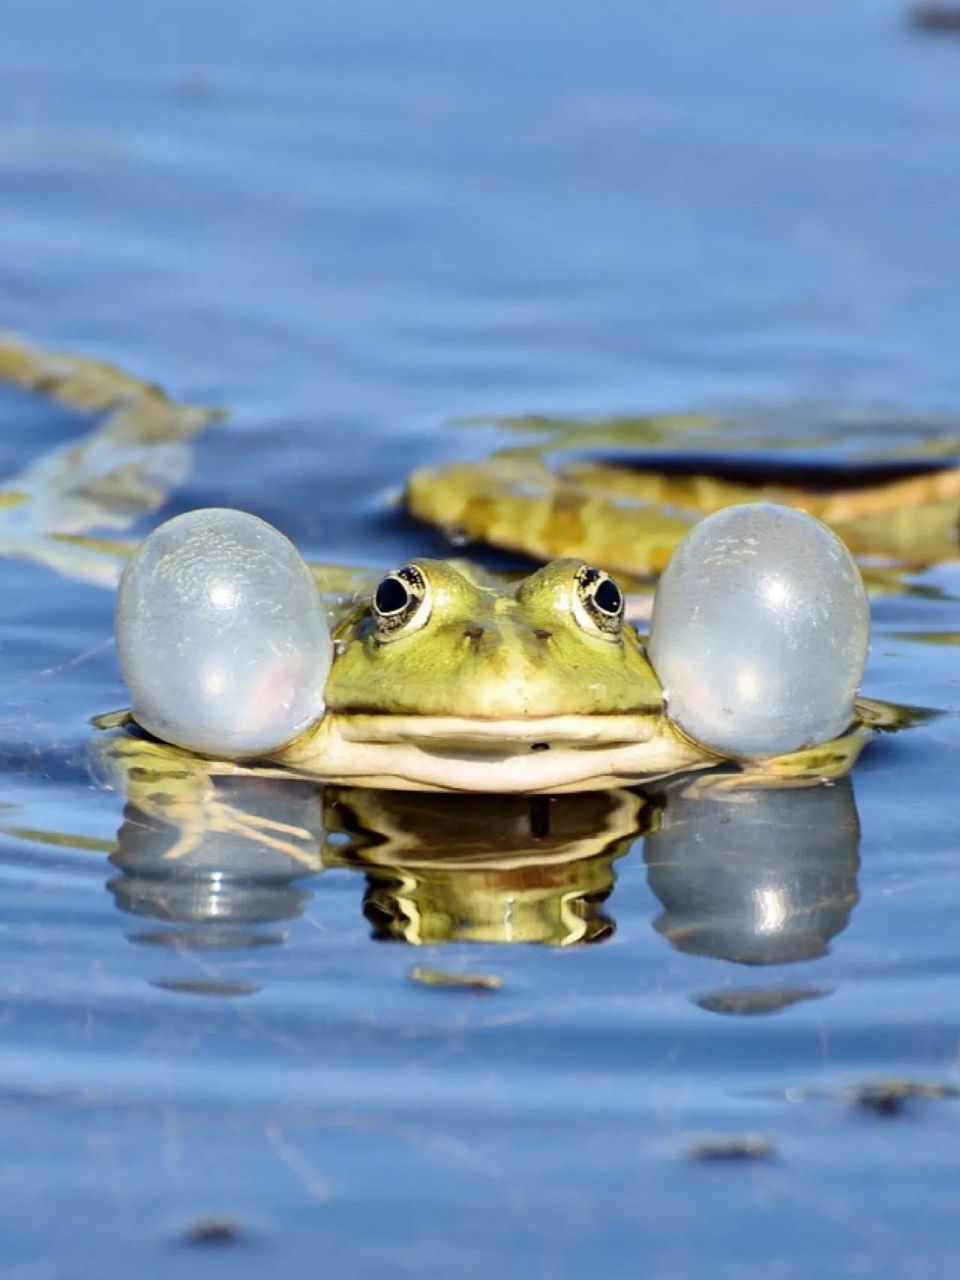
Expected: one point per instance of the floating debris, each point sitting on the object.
(445, 978)
(206, 1232)
(205, 987)
(756, 1001)
(622, 492)
(936, 17)
(883, 1097)
(123, 465)
(733, 1147)
(890, 1097)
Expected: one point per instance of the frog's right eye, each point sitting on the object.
(401, 603)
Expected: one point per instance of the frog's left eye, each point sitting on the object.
(598, 603)
(401, 603)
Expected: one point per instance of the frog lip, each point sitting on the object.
(521, 735)
(457, 754)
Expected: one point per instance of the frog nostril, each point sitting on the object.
(542, 634)
(473, 632)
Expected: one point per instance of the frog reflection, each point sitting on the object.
(762, 877)
(483, 868)
(217, 860)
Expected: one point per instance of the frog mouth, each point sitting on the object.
(518, 736)
(454, 753)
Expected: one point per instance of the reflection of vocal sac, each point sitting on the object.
(757, 877)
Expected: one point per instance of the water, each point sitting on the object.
(352, 226)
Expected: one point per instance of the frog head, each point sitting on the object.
(437, 640)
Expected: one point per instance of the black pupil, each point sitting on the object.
(391, 597)
(607, 596)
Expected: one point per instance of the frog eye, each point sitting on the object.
(401, 603)
(598, 603)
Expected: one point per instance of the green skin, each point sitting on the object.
(488, 652)
(523, 688)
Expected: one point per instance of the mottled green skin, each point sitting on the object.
(493, 652)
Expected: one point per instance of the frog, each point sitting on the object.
(539, 686)
(449, 680)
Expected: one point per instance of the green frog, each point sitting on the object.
(536, 687)
(445, 679)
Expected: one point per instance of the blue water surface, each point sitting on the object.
(352, 226)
